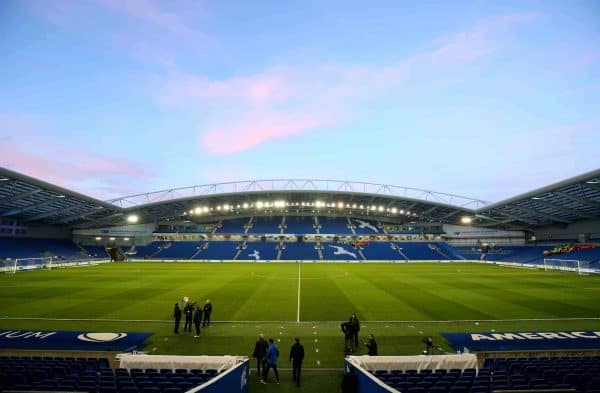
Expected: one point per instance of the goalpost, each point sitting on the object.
(14, 265)
(571, 265)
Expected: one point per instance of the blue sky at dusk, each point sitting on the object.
(485, 99)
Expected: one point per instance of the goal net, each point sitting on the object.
(570, 265)
(14, 265)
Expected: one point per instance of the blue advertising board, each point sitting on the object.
(516, 341)
(77, 341)
(234, 380)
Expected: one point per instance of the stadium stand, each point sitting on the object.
(423, 251)
(259, 251)
(334, 225)
(299, 225)
(262, 225)
(381, 251)
(220, 250)
(579, 373)
(339, 251)
(35, 248)
(93, 375)
(299, 251)
(365, 227)
(236, 225)
(96, 251)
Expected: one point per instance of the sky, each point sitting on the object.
(484, 99)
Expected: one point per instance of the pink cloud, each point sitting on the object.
(246, 111)
(51, 160)
(253, 131)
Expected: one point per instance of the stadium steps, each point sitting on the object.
(219, 225)
(351, 226)
(317, 227)
(319, 250)
(198, 251)
(401, 253)
(239, 250)
(279, 250)
(282, 227)
(248, 225)
(364, 258)
(379, 225)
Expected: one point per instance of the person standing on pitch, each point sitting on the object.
(177, 316)
(207, 312)
(197, 319)
(272, 356)
(372, 346)
(296, 358)
(260, 351)
(188, 310)
(355, 326)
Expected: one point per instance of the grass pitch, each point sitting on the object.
(398, 303)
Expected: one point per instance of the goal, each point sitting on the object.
(570, 265)
(14, 265)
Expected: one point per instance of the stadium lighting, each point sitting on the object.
(354, 205)
(198, 210)
(111, 239)
(319, 203)
(401, 211)
(205, 209)
(3, 179)
(98, 238)
(219, 207)
(126, 239)
(466, 220)
(245, 205)
(380, 208)
(225, 207)
(588, 182)
(238, 206)
(60, 196)
(259, 204)
(132, 218)
(394, 210)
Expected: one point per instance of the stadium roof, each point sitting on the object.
(32, 200)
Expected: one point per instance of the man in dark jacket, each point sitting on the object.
(296, 358)
(177, 316)
(207, 312)
(188, 311)
(372, 346)
(260, 351)
(197, 319)
(355, 326)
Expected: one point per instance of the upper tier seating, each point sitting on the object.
(235, 225)
(366, 227)
(96, 251)
(258, 251)
(93, 375)
(299, 225)
(300, 251)
(262, 225)
(579, 373)
(334, 225)
(339, 251)
(36, 248)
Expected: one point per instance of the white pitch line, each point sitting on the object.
(298, 313)
(304, 322)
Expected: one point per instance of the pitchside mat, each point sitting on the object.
(517, 341)
(77, 341)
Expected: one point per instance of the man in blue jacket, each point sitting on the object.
(271, 360)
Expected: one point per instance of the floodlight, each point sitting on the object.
(3, 179)
(354, 206)
(245, 205)
(380, 208)
(225, 207)
(401, 211)
(394, 210)
(362, 207)
(111, 239)
(205, 209)
(126, 239)
(219, 207)
(60, 196)
(198, 210)
(132, 218)
(259, 204)
(238, 206)
(466, 220)
(98, 238)
(588, 182)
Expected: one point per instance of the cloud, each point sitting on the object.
(242, 112)
(37, 154)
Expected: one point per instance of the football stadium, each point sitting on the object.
(281, 196)
(295, 258)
